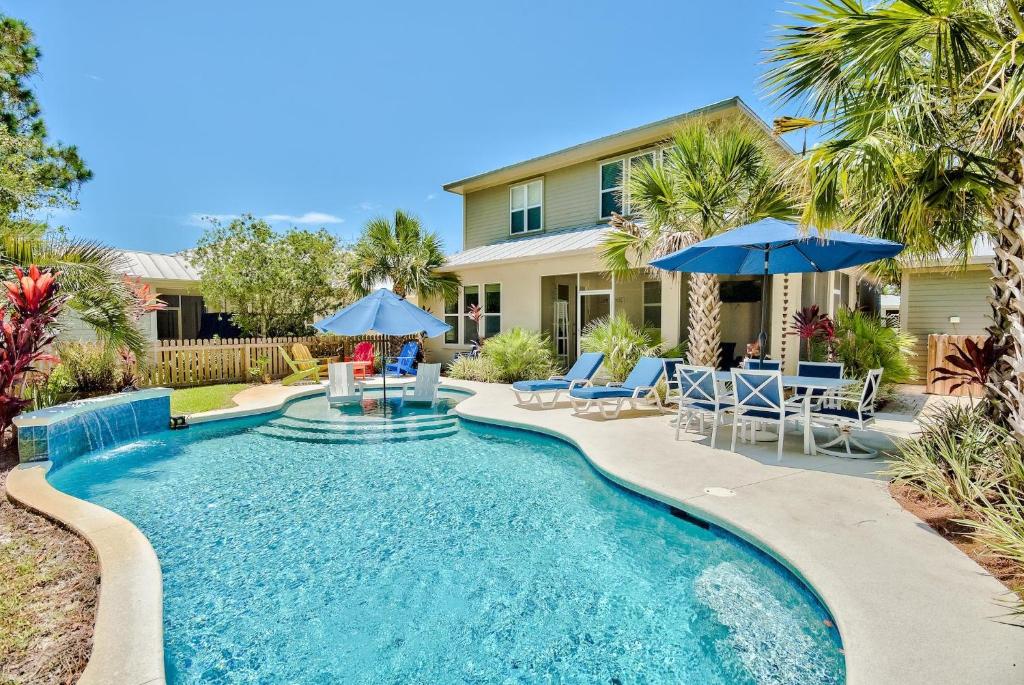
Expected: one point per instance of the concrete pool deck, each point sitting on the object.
(911, 608)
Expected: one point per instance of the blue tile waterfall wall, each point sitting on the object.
(65, 431)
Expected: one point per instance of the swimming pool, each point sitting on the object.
(315, 547)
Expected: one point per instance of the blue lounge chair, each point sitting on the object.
(403, 364)
(639, 385)
(580, 375)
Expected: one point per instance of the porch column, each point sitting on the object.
(671, 292)
(785, 345)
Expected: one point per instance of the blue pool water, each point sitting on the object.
(296, 553)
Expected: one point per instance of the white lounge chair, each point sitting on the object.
(579, 376)
(424, 391)
(638, 386)
(342, 387)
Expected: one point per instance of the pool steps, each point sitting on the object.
(359, 430)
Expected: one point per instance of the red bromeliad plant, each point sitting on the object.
(26, 329)
(144, 300)
(971, 364)
(810, 324)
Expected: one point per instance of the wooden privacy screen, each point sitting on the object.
(939, 345)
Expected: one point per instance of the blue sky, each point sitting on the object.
(328, 113)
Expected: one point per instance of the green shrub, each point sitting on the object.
(90, 367)
(964, 459)
(956, 459)
(473, 369)
(520, 354)
(677, 352)
(621, 342)
(863, 342)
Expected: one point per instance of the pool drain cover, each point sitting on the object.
(720, 492)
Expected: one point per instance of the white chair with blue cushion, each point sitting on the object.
(818, 370)
(671, 384)
(639, 385)
(757, 400)
(847, 419)
(698, 396)
(762, 365)
(580, 375)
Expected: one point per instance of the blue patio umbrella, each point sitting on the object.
(385, 313)
(771, 246)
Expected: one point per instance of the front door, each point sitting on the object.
(592, 305)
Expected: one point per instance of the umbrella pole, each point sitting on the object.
(762, 337)
(384, 373)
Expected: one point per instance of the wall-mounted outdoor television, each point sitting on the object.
(741, 291)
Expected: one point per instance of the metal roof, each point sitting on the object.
(575, 240)
(595, 149)
(158, 267)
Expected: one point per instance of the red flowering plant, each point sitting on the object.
(26, 329)
(811, 324)
(143, 301)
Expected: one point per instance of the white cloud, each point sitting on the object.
(368, 206)
(307, 218)
(431, 196)
(93, 77)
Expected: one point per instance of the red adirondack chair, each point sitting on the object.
(362, 355)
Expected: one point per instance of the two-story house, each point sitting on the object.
(532, 233)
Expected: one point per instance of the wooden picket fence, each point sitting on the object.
(185, 363)
(940, 345)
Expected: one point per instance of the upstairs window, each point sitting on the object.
(611, 188)
(615, 179)
(526, 211)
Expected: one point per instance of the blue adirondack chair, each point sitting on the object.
(403, 365)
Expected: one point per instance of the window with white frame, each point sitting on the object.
(526, 207)
(615, 181)
(451, 317)
(611, 188)
(465, 330)
(652, 304)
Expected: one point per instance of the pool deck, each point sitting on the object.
(911, 608)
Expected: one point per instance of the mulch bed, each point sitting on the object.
(943, 519)
(49, 581)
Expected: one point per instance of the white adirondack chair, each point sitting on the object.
(424, 390)
(342, 387)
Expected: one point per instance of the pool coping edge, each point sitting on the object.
(127, 642)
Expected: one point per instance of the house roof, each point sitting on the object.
(158, 267)
(981, 254)
(577, 240)
(595, 149)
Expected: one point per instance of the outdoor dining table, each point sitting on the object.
(807, 384)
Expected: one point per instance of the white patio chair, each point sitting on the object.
(848, 419)
(698, 395)
(759, 400)
(342, 387)
(819, 370)
(424, 390)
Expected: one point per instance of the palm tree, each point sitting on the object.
(922, 103)
(90, 275)
(402, 252)
(713, 176)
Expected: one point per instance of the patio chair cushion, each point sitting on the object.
(537, 386)
(707, 406)
(600, 393)
(764, 414)
(841, 413)
(586, 366)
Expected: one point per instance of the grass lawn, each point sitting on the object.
(205, 398)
